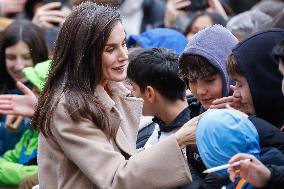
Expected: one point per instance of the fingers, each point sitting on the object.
(23, 88)
(50, 6)
(13, 122)
(232, 87)
(47, 15)
(222, 102)
(240, 156)
(180, 4)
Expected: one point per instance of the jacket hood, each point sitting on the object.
(214, 43)
(219, 125)
(254, 56)
(159, 37)
(37, 75)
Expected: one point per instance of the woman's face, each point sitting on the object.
(17, 57)
(200, 23)
(115, 56)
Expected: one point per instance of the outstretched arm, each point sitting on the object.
(23, 105)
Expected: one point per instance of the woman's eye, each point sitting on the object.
(110, 50)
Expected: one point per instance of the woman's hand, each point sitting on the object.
(186, 134)
(23, 105)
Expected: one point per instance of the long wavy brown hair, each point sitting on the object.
(77, 68)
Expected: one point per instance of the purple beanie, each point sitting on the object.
(214, 43)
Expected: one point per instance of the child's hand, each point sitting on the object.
(23, 105)
(13, 122)
(252, 171)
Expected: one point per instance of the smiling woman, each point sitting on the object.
(87, 120)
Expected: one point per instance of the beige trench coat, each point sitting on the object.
(79, 156)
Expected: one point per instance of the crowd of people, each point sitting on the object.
(123, 94)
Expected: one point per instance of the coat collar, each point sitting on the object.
(115, 88)
(111, 105)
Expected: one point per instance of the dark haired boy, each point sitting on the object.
(154, 77)
(258, 85)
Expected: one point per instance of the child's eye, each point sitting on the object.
(210, 80)
(192, 81)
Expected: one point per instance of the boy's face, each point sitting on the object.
(207, 89)
(281, 69)
(242, 91)
(146, 111)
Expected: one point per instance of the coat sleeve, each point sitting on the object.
(162, 166)
(13, 173)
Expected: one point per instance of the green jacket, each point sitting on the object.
(15, 164)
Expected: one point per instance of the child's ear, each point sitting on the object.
(150, 94)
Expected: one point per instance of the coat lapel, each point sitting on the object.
(113, 105)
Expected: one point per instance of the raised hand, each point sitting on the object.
(216, 6)
(173, 10)
(11, 6)
(47, 16)
(252, 171)
(23, 105)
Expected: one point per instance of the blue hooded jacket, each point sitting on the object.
(222, 133)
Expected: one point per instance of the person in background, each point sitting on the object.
(201, 21)
(22, 44)
(19, 165)
(178, 13)
(246, 23)
(269, 7)
(159, 38)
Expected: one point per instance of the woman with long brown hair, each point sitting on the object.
(88, 123)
